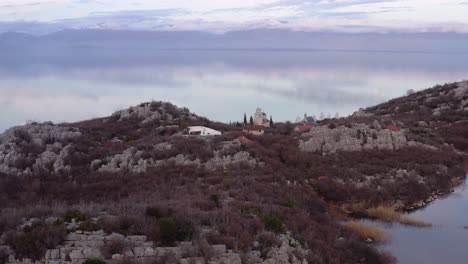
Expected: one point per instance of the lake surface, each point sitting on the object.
(445, 242)
(219, 84)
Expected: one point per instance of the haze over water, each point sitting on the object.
(219, 84)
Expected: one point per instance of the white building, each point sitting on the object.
(203, 131)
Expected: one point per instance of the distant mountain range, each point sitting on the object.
(260, 39)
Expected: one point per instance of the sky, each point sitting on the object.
(219, 16)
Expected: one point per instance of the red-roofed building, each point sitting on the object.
(303, 127)
(245, 140)
(393, 128)
(254, 129)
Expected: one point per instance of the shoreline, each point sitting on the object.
(457, 181)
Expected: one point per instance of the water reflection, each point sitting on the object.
(221, 85)
(444, 243)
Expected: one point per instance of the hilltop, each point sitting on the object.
(140, 189)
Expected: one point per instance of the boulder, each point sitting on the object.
(129, 254)
(117, 257)
(218, 249)
(54, 254)
(139, 252)
(149, 252)
(228, 258)
(76, 254)
(114, 236)
(92, 253)
(197, 260)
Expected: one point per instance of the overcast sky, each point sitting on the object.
(43, 16)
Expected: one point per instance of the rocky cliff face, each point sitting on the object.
(356, 138)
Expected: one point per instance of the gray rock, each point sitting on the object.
(229, 258)
(137, 238)
(195, 260)
(117, 257)
(139, 252)
(115, 236)
(129, 254)
(149, 252)
(358, 138)
(92, 253)
(76, 254)
(422, 124)
(54, 254)
(218, 249)
(99, 232)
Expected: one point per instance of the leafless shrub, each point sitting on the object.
(267, 241)
(115, 246)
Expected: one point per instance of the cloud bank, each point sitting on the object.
(45, 16)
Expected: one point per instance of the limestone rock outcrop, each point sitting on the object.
(29, 149)
(134, 160)
(154, 111)
(356, 138)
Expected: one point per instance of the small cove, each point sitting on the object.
(445, 242)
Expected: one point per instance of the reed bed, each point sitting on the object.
(389, 214)
(368, 231)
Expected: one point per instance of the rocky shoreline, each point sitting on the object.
(434, 196)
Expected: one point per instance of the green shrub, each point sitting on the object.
(170, 232)
(184, 232)
(289, 204)
(423, 132)
(125, 225)
(3, 256)
(273, 223)
(94, 261)
(153, 212)
(88, 225)
(33, 241)
(75, 214)
(216, 200)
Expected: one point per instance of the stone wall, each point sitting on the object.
(80, 246)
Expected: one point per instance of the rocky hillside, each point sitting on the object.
(438, 115)
(172, 198)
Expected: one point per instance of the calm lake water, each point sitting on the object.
(445, 242)
(221, 85)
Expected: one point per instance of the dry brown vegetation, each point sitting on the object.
(368, 231)
(390, 215)
(293, 191)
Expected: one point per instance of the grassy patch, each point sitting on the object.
(389, 214)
